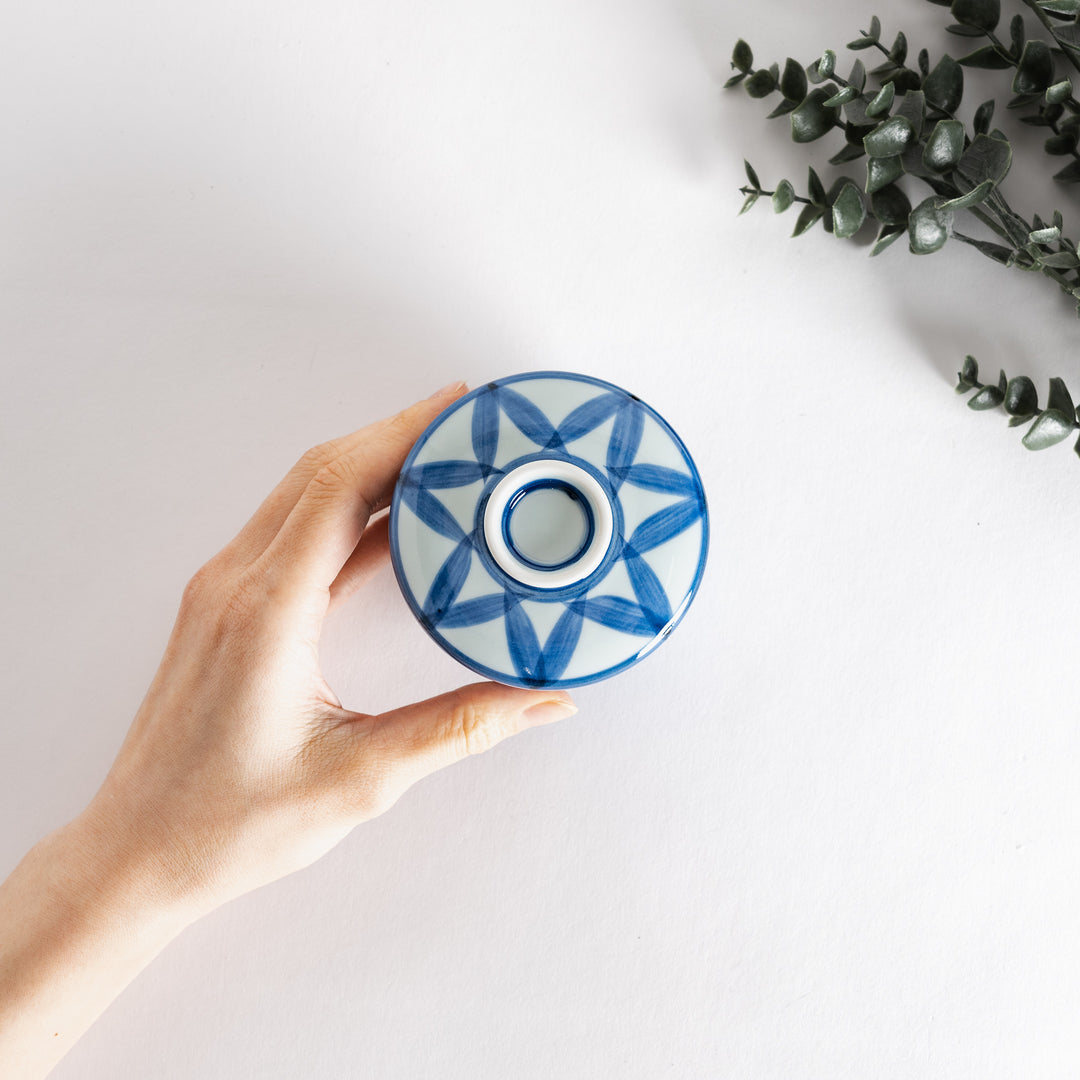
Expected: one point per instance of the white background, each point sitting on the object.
(830, 828)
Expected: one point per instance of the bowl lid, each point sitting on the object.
(549, 529)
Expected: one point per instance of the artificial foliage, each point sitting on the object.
(899, 119)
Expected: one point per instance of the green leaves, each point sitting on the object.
(793, 81)
(882, 171)
(763, 82)
(742, 57)
(1060, 260)
(808, 217)
(982, 15)
(989, 57)
(1021, 397)
(882, 101)
(843, 96)
(945, 145)
(905, 124)
(813, 118)
(792, 84)
(1021, 401)
(891, 206)
(998, 252)
(1060, 399)
(887, 236)
(1017, 34)
(986, 158)
(913, 110)
(1044, 236)
(1035, 71)
(1060, 91)
(975, 196)
(889, 138)
(1064, 143)
(783, 196)
(753, 192)
(944, 86)
(989, 396)
(848, 211)
(968, 378)
(1056, 422)
(870, 37)
(928, 226)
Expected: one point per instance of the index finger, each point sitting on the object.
(326, 523)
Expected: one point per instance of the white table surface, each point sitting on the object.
(830, 828)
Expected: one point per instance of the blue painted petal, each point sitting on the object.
(589, 415)
(664, 524)
(561, 643)
(480, 609)
(625, 438)
(660, 478)
(532, 423)
(522, 641)
(650, 594)
(617, 613)
(485, 426)
(448, 582)
(431, 512)
(448, 474)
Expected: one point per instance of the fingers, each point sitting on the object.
(370, 555)
(432, 734)
(263, 526)
(321, 530)
(265, 523)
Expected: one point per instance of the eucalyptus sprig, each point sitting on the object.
(1020, 400)
(903, 120)
(1036, 81)
(915, 133)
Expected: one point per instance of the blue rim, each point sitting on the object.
(547, 485)
(503, 677)
(512, 585)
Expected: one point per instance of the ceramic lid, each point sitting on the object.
(549, 529)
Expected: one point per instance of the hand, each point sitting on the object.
(241, 765)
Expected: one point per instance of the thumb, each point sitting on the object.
(432, 734)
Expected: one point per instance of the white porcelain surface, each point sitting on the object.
(569, 536)
(619, 529)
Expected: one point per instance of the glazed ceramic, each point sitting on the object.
(549, 529)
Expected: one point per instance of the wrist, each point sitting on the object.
(89, 888)
(123, 874)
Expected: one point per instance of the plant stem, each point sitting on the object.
(744, 190)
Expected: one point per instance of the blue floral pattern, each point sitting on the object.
(645, 619)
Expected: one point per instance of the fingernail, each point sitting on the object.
(547, 712)
(448, 389)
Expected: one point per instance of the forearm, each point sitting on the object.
(78, 922)
(242, 764)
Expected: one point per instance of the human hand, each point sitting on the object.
(242, 765)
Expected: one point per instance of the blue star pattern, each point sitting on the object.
(621, 623)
